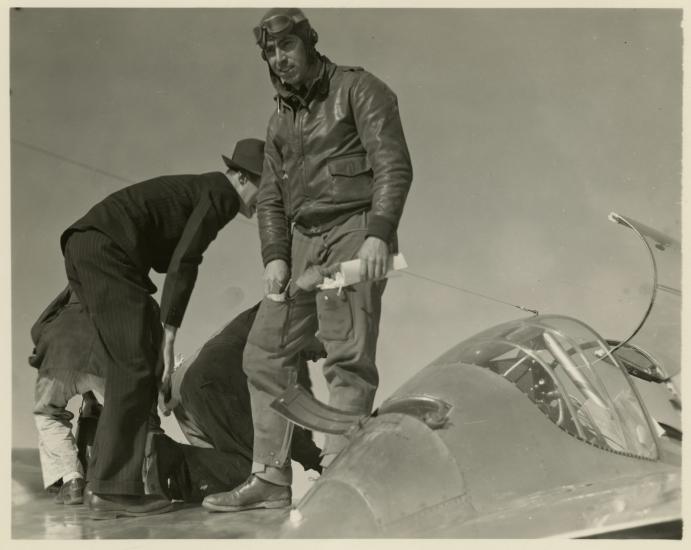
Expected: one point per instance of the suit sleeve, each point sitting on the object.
(274, 225)
(201, 228)
(378, 122)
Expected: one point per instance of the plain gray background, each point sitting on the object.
(526, 128)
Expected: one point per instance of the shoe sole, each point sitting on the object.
(258, 506)
(114, 514)
(71, 502)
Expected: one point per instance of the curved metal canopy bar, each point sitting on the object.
(661, 242)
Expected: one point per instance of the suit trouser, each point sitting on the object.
(347, 322)
(115, 293)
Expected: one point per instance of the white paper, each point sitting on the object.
(349, 272)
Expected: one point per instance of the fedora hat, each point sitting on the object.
(247, 156)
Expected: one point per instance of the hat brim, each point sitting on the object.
(235, 166)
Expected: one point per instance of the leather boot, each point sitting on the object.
(253, 493)
(71, 492)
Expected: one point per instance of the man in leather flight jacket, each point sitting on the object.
(335, 179)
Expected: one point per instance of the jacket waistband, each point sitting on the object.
(317, 225)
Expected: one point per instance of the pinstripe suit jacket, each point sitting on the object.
(165, 224)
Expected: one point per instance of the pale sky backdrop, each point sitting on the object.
(526, 128)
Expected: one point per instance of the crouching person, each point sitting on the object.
(70, 362)
(211, 403)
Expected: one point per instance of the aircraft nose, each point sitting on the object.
(336, 511)
(394, 468)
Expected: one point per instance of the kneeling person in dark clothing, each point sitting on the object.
(211, 402)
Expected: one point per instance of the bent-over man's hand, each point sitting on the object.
(374, 254)
(276, 275)
(168, 353)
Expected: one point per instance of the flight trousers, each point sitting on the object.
(345, 320)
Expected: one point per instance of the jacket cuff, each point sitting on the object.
(172, 318)
(380, 227)
(271, 253)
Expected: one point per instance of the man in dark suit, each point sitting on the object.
(165, 224)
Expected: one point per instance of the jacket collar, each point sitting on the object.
(318, 89)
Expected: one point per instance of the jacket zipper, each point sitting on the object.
(302, 112)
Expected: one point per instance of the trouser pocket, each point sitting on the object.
(271, 326)
(334, 314)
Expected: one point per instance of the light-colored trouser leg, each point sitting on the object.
(279, 332)
(349, 328)
(56, 443)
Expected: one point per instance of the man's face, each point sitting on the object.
(247, 186)
(287, 57)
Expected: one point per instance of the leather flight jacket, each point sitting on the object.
(335, 151)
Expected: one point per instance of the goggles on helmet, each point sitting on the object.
(276, 25)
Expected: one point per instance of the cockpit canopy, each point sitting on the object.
(569, 372)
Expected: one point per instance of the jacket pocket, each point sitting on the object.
(351, 178)
(333, 312)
